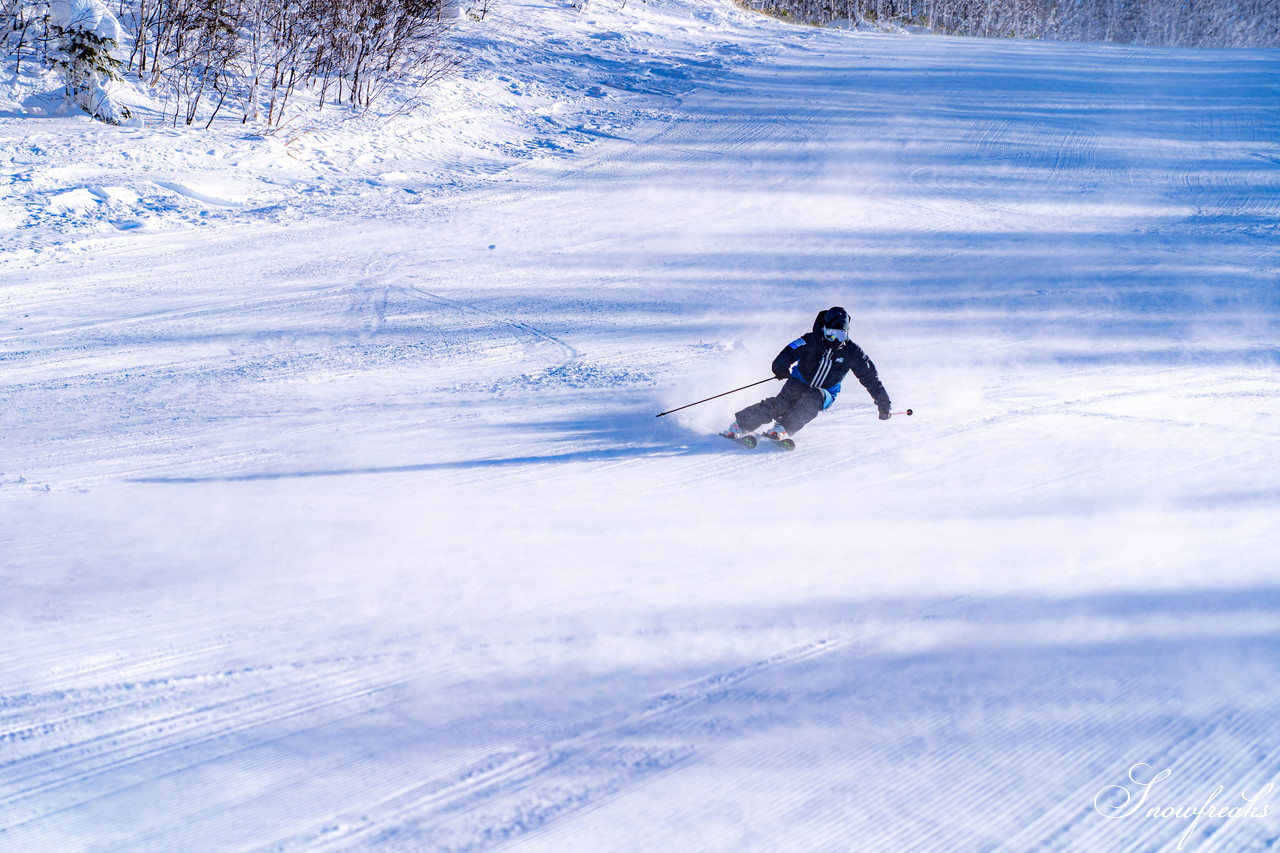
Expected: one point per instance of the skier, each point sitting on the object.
(813, 366)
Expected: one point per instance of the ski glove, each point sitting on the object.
(781, 372)
(827, 398)
(885, 414)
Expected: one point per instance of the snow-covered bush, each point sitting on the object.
(86, 34)
(368, 43)
(260, 54)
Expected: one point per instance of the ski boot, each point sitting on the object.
(735, 433)
(778, 435)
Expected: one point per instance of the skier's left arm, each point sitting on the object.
(865, 370)
(790, 354)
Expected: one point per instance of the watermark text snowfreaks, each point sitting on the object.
(1120, 801)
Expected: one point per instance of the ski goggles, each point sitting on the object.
(835, 335)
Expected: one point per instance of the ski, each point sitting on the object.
(784, 443)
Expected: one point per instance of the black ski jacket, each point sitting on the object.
(823, 365)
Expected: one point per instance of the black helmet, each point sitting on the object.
(835, 324)
(836, 318)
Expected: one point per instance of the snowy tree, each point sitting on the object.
(21, 22)
(1204, 23)
(199, 55)
(87, 33)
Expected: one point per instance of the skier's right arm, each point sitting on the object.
(790, 355)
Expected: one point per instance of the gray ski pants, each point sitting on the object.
(794, 406)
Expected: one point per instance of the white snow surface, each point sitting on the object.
(335, 514)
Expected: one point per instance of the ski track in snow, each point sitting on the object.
(336, 515)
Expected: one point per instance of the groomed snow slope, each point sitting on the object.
(335, 514)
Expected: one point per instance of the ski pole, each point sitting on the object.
(907, 412)
(743, 388)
